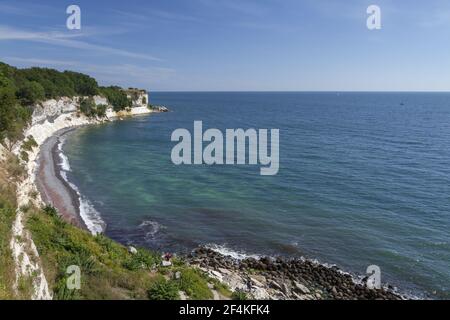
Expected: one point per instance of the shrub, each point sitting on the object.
(51, 211)
(116, 97)
(24, 155)
(162, 289)
(29, 144)
(61, 292)
(87, 107)
(143, 259)
(13, 117)
(194, 285)
(101, 110)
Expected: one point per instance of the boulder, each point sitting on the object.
(132, 250)
(301, 288)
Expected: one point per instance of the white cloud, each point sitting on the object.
(28, 9)
(58, 38)
(38, 62)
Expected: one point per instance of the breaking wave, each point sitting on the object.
(91, 217)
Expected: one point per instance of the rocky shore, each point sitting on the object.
(285, 279)
(48, 118)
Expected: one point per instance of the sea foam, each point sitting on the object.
(151, 229)
(226, 251)
(91, 217)
(64, 164)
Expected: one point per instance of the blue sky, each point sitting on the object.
(236, 45)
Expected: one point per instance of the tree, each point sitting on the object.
(83, 84)
(87, 107)
(13, 117)
(31, 92)
(90, 109)
(116, 97)
(101, 110)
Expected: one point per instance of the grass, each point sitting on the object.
(222, 288)
(7, 215)
(108, 269)
(10, 171)
(163, 289)
(193, 283)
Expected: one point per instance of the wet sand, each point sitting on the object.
(54, 190)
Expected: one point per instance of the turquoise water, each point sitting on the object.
(364, 179)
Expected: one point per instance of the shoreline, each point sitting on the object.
(273, 278)
(26, 258)
(53, 188)
(56, 189)
(259, 277)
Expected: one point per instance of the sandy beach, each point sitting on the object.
(54, 189)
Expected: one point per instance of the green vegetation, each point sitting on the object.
(163, 289)
(222, 288)
(29, 144)
(31, 92)
(35, 84)
(194, 284)
(101, 110)
(20, 89)
(108, 269)
(10, 171)
(83, 85)
(90, 109)
(143, 259)
(104, 274)
(13, 117)
(7, 214)
(116, 97)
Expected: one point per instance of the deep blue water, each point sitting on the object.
(364, 179)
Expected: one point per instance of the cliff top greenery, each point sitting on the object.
(21, 89)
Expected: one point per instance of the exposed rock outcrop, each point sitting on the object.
(48, 117)
(285, 279)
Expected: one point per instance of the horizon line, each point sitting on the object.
(300, 91)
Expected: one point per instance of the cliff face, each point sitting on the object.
(48, 117)
(141, 99)
(49, 110)
(53, 108)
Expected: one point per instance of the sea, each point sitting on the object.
(363, 180)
